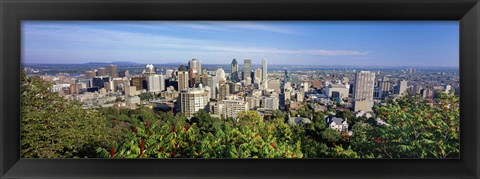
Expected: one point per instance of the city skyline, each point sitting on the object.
(364, 43)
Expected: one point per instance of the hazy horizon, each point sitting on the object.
(320, 43)
(241, 64)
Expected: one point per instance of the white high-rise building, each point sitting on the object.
(363, 91)
(402, 87)
(156, 83)
(169, 73)
(231, 108)
(193, 100)
(220, 73)
(257, 75)
(253, 102)
(264, 70)
(149, 70)
(270, 103)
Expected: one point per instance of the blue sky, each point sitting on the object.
(365, 43)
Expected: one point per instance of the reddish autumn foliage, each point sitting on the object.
(112, 151)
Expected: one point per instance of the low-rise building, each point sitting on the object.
(336, 123)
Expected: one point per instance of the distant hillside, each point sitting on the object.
(114, 62)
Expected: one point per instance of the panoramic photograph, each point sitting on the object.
(240, 89)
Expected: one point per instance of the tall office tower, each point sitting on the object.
(247, 69)
(195, 64)
(286, 77)
(112, 70)
(220, 75)
(90, 74)
(264, 70)
(149, 70)
(155, 82)
(402, 87)
(182, 75)
(101, 71)
(124, 73)
(234, 73)
(138, 82)
(271, 103)
(213, 84)
(193, 100)
(169, 73)
(162, 83)
(192, 76)
(363, 91)
(223, 91)
(257, 77)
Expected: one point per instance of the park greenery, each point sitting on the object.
(52, 127)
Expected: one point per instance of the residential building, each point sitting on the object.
(363, 91)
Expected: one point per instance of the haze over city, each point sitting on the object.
(362, 43)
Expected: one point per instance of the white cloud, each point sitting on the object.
(73, 37)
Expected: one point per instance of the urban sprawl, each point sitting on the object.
(224, 92)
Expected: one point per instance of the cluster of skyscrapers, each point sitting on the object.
(190, 88)
(187, 89)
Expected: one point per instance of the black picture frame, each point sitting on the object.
(12, 12)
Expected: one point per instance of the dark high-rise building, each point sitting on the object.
(173, 83)
(100, 81)
(234, 73)
(194, 71)
(112, 70)
(247, 69)
(286, 77)
(92, 89)
(138, 82)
